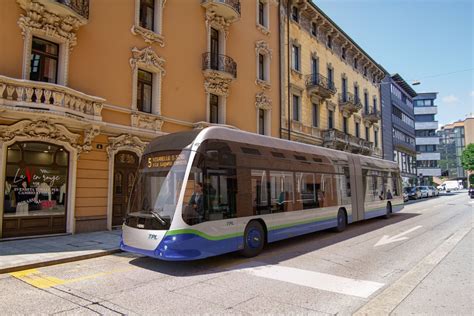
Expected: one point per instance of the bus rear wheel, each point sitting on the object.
(341, 220)
(388, 211)
(254, 239)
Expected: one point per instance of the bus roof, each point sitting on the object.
(180, 140)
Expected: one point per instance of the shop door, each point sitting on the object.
(125, 166)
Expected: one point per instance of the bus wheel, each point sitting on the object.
(341, 220)
(388, 211)
(254, 239)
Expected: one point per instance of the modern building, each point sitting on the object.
(84, 85)
(454, 138)
(427, 142)
(398, 125)
(330, 96)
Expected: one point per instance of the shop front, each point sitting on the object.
(35, 189)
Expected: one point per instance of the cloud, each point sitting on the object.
(450, 99)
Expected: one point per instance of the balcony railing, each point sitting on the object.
(349, 102)
(320, 85)
(229, 9)
(222, 63)
(80, 7)
(35, 95)
(372, 116)
(336, 139)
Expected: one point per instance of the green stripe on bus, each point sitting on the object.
(201, 234)
(301, 223)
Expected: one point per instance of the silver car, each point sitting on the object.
(425, 192)
(434, 190)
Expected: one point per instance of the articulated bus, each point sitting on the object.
(207, 192)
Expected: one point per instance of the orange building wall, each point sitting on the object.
(11, 41)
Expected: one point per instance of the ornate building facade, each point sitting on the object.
(330, 96)
(83, 89)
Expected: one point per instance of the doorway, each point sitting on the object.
(125, 167)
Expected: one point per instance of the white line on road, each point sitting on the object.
(388, 240)
(385, 302)
(316, 280)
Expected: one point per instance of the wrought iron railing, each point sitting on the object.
(347, 98)
(212, 61)
(235, 4)
(81, 7)
(319, 80)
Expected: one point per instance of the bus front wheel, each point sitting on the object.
(254, 239)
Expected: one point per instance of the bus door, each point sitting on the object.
(359, 195)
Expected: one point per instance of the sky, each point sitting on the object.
(426, 40)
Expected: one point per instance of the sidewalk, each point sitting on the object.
(23, 254)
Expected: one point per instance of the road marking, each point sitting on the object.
(388, 240)
(42, 281)
(385, 302)
(316, 280)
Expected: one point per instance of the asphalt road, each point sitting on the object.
(419, 261)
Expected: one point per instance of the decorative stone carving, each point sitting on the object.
(39, 20)
(149, 36)
(262, 101)
(330, 105)
(147, 121)
(125, 141)
(147, 59)
(216, 84)
(262, 84)
(89, 136)
(213, 19)
(262, 47)
(43, 129)
(263, 29)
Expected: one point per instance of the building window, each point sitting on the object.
(147, 14)
(215, 49)
(261, 67)
(375, 104)
(366, 102)
(213, 109)
(367, 134)
(295, 15)
(315, 115)
(296, 58)
(261, 122)
(331, 77)
(365, 71)
(343, 53)
(261, 13)
(296, 107)
(376, 138)
(356, 93)
(44, 61)
(344, 125)
(330, 119)
(344, 89)
(329, 41)
(357, 128)
(314, 29)
(355, 63)
(144, 91)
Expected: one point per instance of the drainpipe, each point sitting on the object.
(288, 66)
(280, 68)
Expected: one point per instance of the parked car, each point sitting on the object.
(435, 191)
(471, 192)
(424, 191)
(412, 192)
(405, 196)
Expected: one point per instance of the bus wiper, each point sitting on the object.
(160, 218)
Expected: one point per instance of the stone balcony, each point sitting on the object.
(349, 103)
(219, 71)
(78, 9)
(35, 96)
(320, 86)
(228, 9)
(372, 116)
(339, 140)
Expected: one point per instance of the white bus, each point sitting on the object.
(217, 190)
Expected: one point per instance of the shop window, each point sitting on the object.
(35, 189)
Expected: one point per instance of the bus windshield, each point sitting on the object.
(159, 181)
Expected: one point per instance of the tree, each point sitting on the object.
(467, 158)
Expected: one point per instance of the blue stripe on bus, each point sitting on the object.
(288, 232)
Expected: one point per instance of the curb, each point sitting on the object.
(59, 261)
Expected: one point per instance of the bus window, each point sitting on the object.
(220, 188)
(259, 192)
(329, 190)
(306, 191)
(282, 192)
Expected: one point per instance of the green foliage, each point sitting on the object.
(467, 158)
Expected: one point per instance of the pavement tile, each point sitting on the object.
(266, 306)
